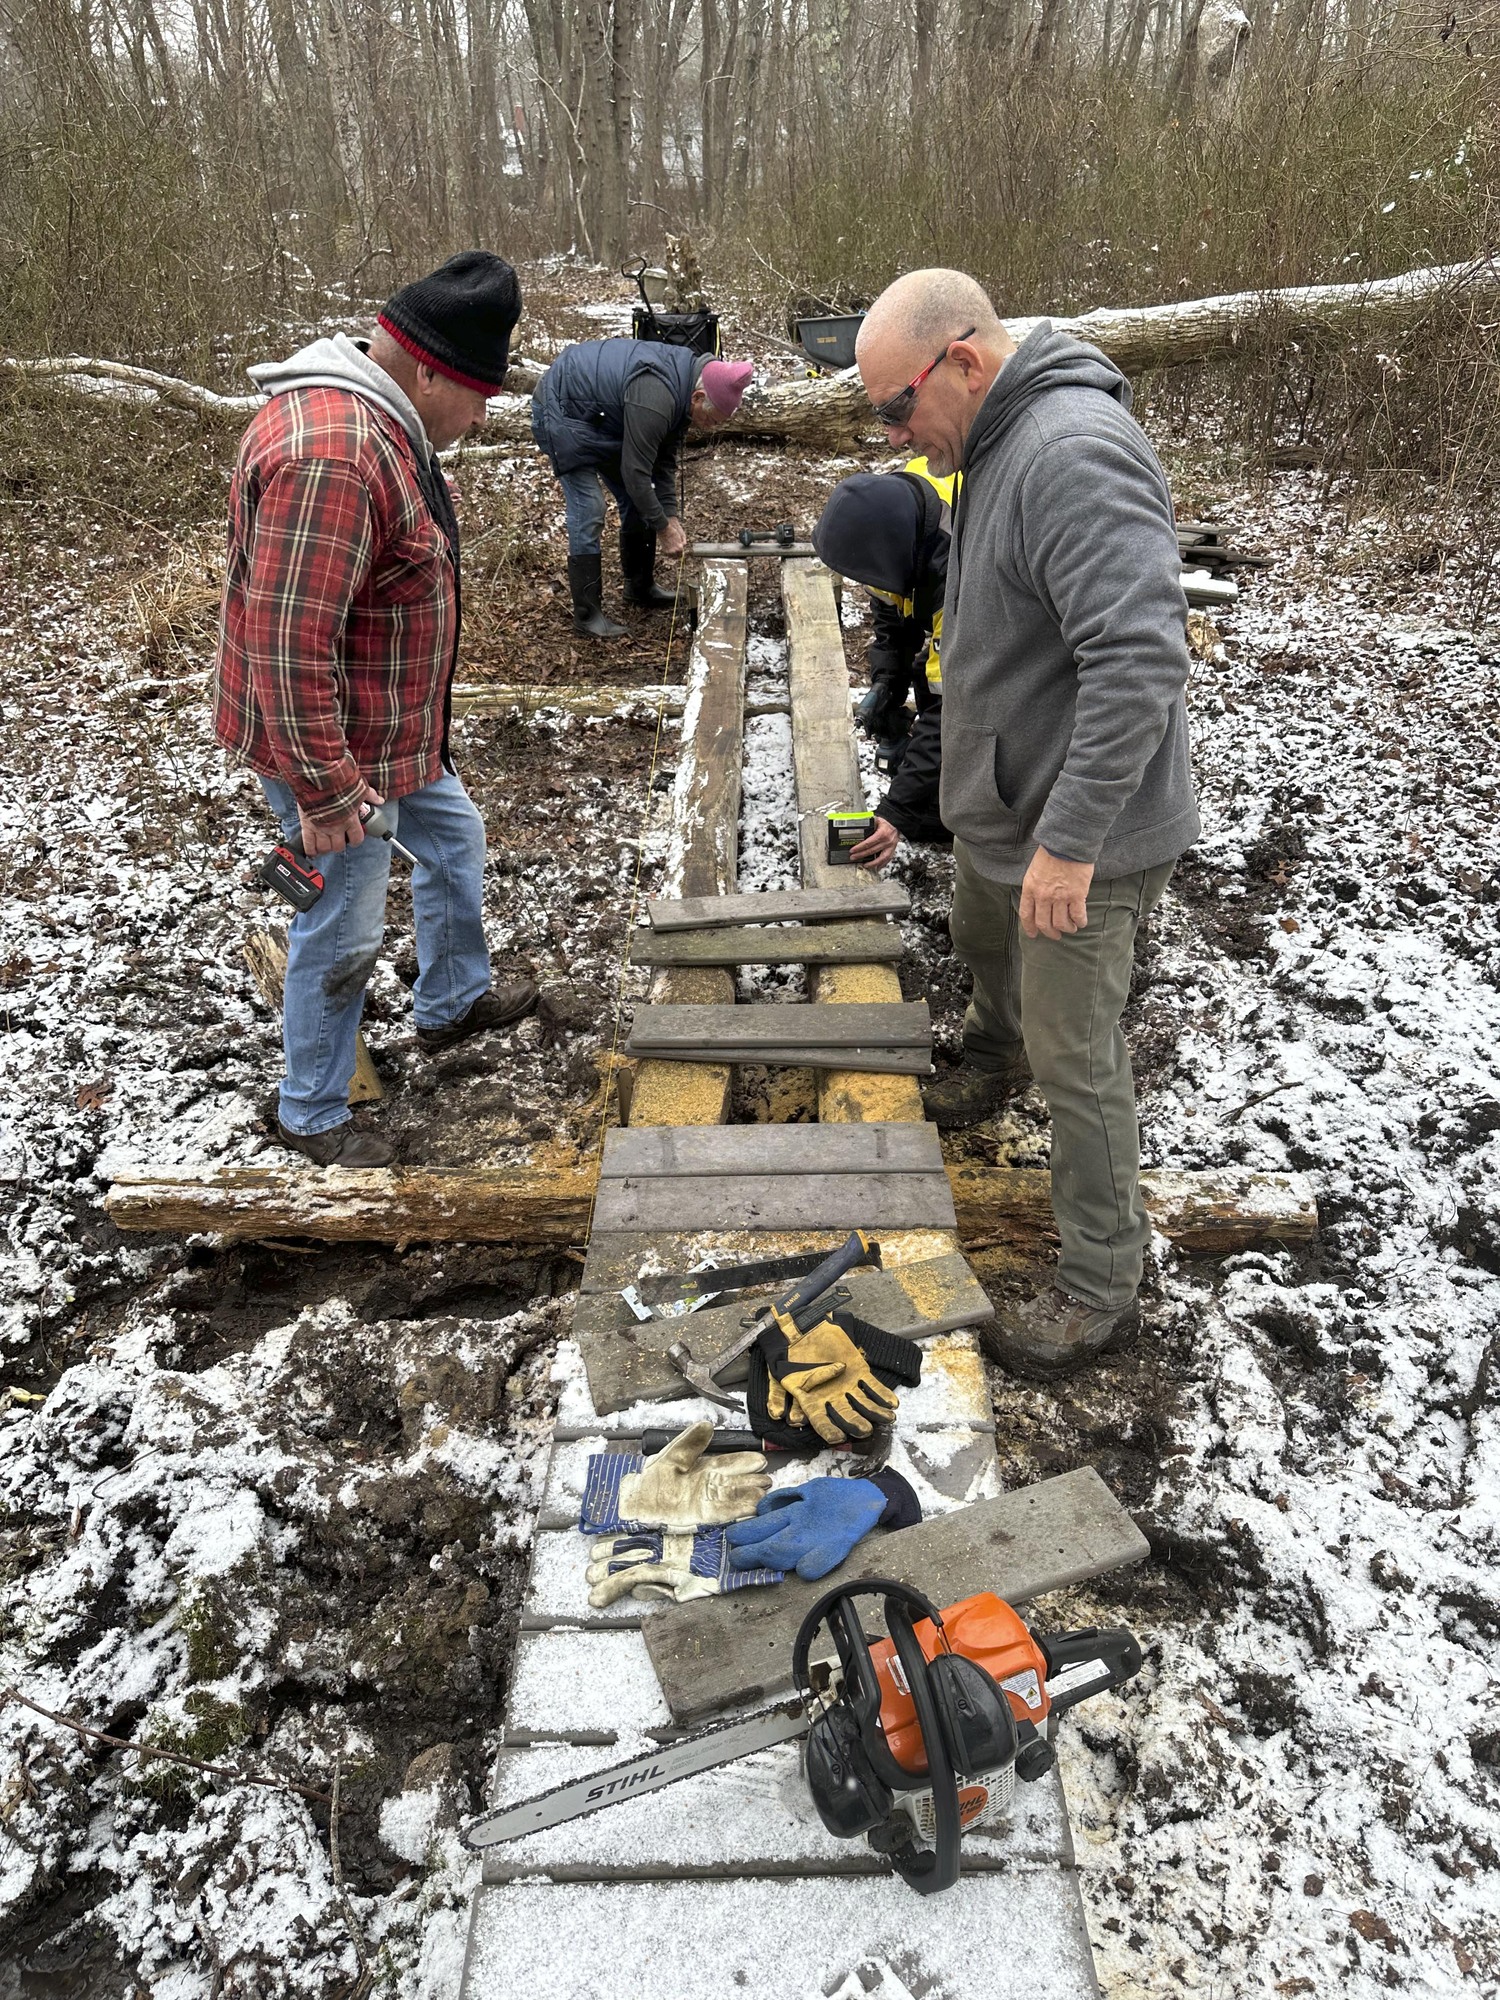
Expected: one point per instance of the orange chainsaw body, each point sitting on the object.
(984, 1629)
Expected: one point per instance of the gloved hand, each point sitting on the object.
(821, 1378)
(809, 1528)
(882, 710)
(682, 1489)
(630, 1565)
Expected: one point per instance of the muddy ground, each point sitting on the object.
(270, 1504)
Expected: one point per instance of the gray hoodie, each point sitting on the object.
(1064, 635)
(337, 362)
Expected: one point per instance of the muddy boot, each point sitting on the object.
(586, 581)
(968, 1095)
(638, 563)
(1055, 1333)
(344, 1146)
(498, 1008)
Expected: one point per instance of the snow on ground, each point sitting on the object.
(272, 1505)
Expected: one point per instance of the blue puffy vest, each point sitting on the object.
(578, 410)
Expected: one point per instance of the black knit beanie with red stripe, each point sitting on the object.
(459, 319)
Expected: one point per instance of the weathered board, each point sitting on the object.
(856, 943)
(678, 1150)
(703, 839)
(902, 1024)
(778, 1201)
(863, 895)
(823, 751)
(723, 1651)
(627, 1360)
(891, 1062)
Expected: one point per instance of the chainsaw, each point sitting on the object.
(911, 1741)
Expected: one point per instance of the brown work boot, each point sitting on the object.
(968, 1094)
(1054, 1333)
(498, 1008)
(343, 1146)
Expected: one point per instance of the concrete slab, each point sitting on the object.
(1017, 1935)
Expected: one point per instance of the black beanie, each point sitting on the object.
(875, 529)
(459, 319)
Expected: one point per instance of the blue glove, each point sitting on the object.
(809, 1528)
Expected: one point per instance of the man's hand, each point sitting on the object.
(1054, 896)
(347, 832)
(672, 539)
(877, 848)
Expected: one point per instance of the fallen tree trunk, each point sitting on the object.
(534, 1202)
(832, 411)
(598, 704)
(548, 1200)
(1204, 1214)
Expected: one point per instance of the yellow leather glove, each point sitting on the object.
(683, 1488)
(821, 1378)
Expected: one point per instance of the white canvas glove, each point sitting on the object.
(681, 1489)
(626, 1565)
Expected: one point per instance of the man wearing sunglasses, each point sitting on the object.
(1065, 771)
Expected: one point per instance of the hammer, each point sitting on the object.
(860, 1249)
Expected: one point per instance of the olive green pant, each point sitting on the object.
(1064, 999)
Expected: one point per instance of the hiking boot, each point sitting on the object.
(498, 1008)
(1054, 1333)
(638, 565)
(968, 1095)
(586, 581)
(341, 1146)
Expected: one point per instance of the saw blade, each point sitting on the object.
(683, 1759)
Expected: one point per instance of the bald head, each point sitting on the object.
(925, 308)
(928, 352)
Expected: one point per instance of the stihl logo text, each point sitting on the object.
(623, 1784)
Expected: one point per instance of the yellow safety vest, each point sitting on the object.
(944, 489)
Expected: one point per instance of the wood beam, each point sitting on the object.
(702, 857)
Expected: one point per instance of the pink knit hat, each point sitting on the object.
(724, 383)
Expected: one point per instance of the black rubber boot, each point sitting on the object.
(586, 581)
(638, 562)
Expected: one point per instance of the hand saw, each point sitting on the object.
(1076, 1664)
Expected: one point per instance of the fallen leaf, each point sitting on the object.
(92, 1097)
(1373, 1929)
(1290, 924)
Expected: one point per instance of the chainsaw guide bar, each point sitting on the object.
(703, 1752)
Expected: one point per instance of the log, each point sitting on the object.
(265, 954)
(833, 410)
(546, 1199)
(1204, 1214)
(536, 1201)
(591, 704)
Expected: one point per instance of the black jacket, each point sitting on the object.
(890, 531)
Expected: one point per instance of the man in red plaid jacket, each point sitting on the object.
(338, 641)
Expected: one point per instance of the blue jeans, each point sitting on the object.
(583, 499)
(333, 946)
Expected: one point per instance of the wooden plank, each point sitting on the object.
(895, 1062)
(906, 1024)
(795, 1938)
(619, 1257)
(702, 849)
(772, 1149)
(627, 1360)
(720, 1652)
(792, 944)
(827, 768)
(861, 895)
(823, 752)
(778, 1201)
